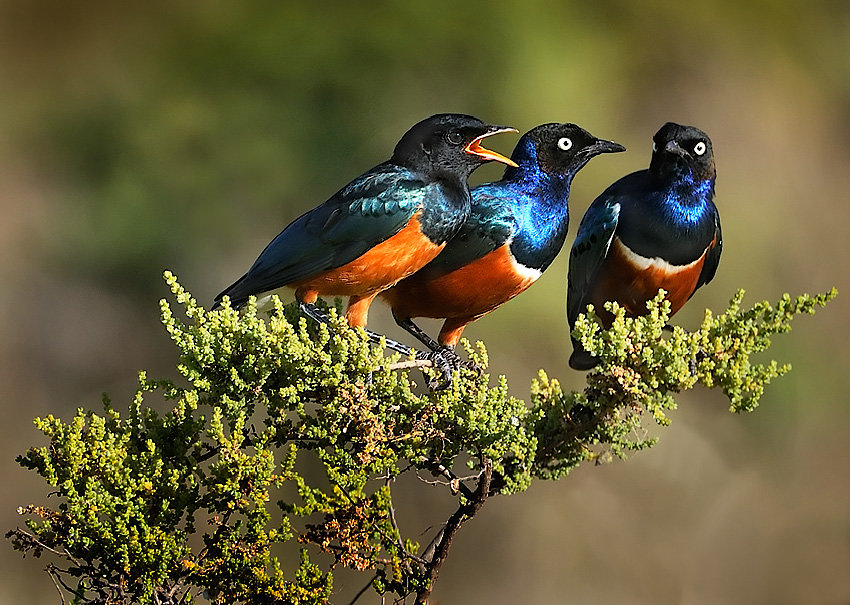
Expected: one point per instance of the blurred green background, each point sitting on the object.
(153, 135)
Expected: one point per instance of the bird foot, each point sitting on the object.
(447, 361)
(431, 359)
(457, 362)
(701, 355)
(444, 363)
(313, 312)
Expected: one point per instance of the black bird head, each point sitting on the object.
(561, 149)
(448, 143)
(681, 151)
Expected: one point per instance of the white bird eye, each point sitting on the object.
(565, 143)
(699, 148)
(654, 147)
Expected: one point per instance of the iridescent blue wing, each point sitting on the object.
(590, 247)
(712, 257)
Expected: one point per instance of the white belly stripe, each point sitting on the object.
(658, 264)
(526, 273)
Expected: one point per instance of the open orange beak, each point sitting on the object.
(475, 148)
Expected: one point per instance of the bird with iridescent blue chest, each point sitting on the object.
(652, 229)
(516, 227)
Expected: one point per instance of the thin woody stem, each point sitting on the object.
(465, 512)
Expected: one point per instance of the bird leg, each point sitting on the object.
(434, 358)
(311, 311)
(442, 356)
(431, 359)
(448, 353)
(418, 333)
(392, 345)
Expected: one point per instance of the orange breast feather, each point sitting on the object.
(632, 280)
(377, 269)
(468, 292)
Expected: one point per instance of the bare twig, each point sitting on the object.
(454, 482)
(464, 512)
(51, 573)
(398, 540)
(185, 594)
(434, 482)
(363, 590)
(29, 537)
(54, 573)
(406, 365)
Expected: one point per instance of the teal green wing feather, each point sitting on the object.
(712, 257)
(491, 223)
(594, 237)
(366, 212)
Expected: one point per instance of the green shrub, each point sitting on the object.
(199, 499)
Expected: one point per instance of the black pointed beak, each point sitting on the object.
(603, 146)
(674, 148)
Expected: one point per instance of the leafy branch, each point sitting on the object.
(196, 500)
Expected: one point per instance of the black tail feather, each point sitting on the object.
(237, 299)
